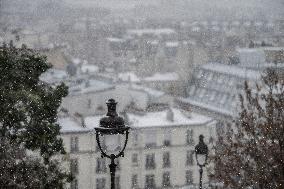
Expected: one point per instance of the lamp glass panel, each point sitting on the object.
(113, 143)
(201, 159)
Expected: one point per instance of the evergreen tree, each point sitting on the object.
(250, 154)
(28, 115)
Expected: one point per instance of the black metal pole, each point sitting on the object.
(200, 181)
(112, 167)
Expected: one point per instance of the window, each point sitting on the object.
(135, 159)
(134, 181)
(150, 139)
(189, 157)
(135, 138)
(74, 166)
(166, 160)
(74, 184)
(74, 144)
(101, 183)
(188, 177)
(166, 180)
(189, 137)
(167, 138)
(150, 161)
(117, 182)
(89, 104)
(101, 165)
(150, 182)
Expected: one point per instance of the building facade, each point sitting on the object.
(159, 153)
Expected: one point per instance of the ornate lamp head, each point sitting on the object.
(201, 151)
(110, 127)
(111, 124)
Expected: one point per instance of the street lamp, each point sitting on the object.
(111, 126)
(201, 155)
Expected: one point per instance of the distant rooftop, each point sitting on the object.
(168, 76)
(232, 70)
(161, 31)
(89, 86)
(143, 120)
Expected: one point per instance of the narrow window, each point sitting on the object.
(100, 183)
(135, 159)
(166, 179)
(150, 182)
(188, 177)
(189, 157)
(74, 166)
(166, 160)
(134, 181)
(189, 137)
(150, 139)
(101, 165)
(150, 161)
(74, 144)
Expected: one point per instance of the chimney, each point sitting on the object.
(170, 115)
(79, 117)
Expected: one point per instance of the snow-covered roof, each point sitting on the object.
(112, 39)
(168, 76)
(209, 106)
(147, 120)
(69, 124)
(238, 71)
(128, 76)
(159, 119)
(160, 31)
(152, 92)
(76, 60)
(89, 68)
(89, 86)
(172, 44)
(53, 76)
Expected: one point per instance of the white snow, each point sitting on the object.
(222, 110)
(112, 39)
(168, 76)
(69, 124)
(159, 119)
(89, 87)
(147, 120)
(232, 70)
(128, 76)
(53, 76)
(76, 60)
(89, 68)
(161, 31)
(150, 91)
(172, 44)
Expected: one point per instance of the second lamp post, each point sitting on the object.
(201, 155)
(110, 127)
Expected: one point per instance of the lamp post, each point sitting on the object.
(201, 155)
(111, 126)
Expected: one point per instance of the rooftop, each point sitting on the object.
(232, 70)
(168, 76)
(161, 31)
(89, 86)
(143, 120)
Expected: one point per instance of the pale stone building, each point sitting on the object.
(159, 153)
